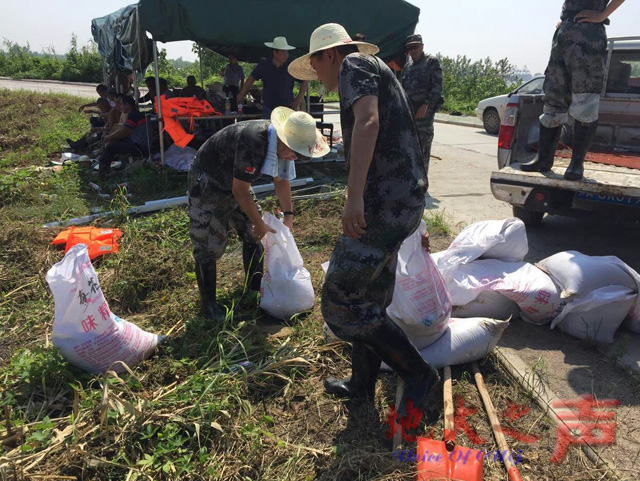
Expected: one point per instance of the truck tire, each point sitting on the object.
(529, 217)
(491, 121)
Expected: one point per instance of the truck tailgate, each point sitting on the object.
(598, 179)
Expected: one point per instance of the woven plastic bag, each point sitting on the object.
(421, 302)
(85, 330)
(286, 288)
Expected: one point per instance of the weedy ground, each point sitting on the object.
(180, 414)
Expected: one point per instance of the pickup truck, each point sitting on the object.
(611, 184)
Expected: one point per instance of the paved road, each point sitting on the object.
(80, 90)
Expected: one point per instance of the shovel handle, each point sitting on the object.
(449, 418)
(397, 437)
(512, 470)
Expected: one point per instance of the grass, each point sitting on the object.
(183, 413)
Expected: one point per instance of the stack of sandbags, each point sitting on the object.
(599, 291)
(486, 277)
(500, 288)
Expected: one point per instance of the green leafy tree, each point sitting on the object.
(467, 82)
(82, 64)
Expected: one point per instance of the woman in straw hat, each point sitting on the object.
(387, 185)
(219, 191)
(278, 84)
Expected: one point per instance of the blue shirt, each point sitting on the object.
(278, 83)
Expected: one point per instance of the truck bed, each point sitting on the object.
(600, 179)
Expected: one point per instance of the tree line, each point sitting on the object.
(466, 82)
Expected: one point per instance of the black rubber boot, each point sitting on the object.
(546, 150)
(253, 261)
(206, 276)
(393, 346)
(365, 365)
(582, 137)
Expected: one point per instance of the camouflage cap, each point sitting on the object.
(416, 38)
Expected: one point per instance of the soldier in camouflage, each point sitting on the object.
(386, 188)
(574, 80)
(219, 191)
(422, 80)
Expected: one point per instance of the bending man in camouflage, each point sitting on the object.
(422, 80)
(219, 191)
(387, 184)
(573, 82)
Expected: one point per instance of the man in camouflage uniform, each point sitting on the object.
(386, 188)
(219, 191)
(573, 82)
(422, 80)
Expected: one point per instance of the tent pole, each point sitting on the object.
(136, 90)
(200, 58)
(158, 104)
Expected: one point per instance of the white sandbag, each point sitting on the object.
(535, 293)
(286, 288)
(423, 336)
(465, 282)
(578, 274)
(420, 296)
(632, 322)
(85, 330)
(464, 340)
(179, 158)
(499, 239)
(488, 304)
(597, 315)
(532, 290)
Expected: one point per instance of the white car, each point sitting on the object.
(491, 110)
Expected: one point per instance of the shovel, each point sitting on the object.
(512, 470)
(443, 460)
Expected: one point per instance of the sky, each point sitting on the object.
(516, 29)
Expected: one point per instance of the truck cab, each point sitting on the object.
(611, 183)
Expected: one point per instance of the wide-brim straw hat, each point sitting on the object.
(279, 43)
(324, 37)
(298, 131)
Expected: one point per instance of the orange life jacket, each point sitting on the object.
(99, 241)
(182, 107)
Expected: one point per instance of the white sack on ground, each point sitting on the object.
(286, 288)
(421, 303)
(497, 239)
(532, 290)
(578, 274)
(597, 315)
(179, 158)
(488, 304)
(464, 340)
(85, 330)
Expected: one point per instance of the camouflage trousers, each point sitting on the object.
(211, 210)
(425, 132)
(362, 273)
(575, 74)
